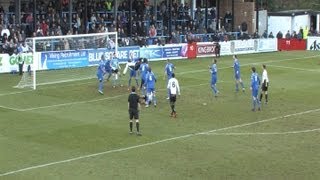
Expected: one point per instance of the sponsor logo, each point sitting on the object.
(152, 53)
(14, 60)
(122, 54)
(246, 45)
(315, 46)
(206, 49)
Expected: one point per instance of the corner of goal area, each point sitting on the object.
(26, 81)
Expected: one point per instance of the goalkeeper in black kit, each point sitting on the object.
(217, 49)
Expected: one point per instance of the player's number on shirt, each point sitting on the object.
(173, 84)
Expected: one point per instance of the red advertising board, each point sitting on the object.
(291, 44)
(192, 50)
(206, 49)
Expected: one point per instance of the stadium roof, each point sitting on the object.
(294, 12)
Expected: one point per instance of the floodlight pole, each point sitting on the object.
(218, 15)
(232, 22)
(34, 11)
(206, 15)
(130, 17)
(257, 15)
(70, 15)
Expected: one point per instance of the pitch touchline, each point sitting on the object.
(264, 133)
(153, 143)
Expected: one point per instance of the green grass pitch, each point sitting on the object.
(69, 131)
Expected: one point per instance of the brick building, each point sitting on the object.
(244, 11)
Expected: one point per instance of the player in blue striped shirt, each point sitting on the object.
(255, 82)
(133, 71)
(115, 67)
(169, 70)
(237, 76)
(100, 73)
(214, 71)
(143, 69)
(108, 68)
(150, 84)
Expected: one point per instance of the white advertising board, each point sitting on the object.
(313, 43)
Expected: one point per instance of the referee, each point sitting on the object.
(134, 107)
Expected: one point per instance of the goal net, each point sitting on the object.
(60, 59)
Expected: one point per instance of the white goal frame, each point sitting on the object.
(36, 58)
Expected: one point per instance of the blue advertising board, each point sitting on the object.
(64, 59)
(174, 51)
(151, 52)
(94, 55)
(160, 52)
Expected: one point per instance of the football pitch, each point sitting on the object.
(70, 131)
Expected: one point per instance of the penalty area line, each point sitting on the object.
(9, 108)
(248, 64)
(95, 100)
(293, 68)
(152, 143)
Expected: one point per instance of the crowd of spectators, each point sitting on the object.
(147, 24)
(150, 25)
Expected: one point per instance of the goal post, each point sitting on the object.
(59, 59)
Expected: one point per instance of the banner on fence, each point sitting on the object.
(313, 43)
(206, 49)
(225, 48)
(123, 54)
(163, 52)
(10, 63)
(244, 46)
(63, 59)
(267, 45)
(291, 44)
(90, 57)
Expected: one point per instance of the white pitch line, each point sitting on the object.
(264, 133)
(95, 100)
(201, 70)
(266, 120)
(81, 102)
(13, 109)
(151, 143)
(293, 68)
(187, 72)
(248, 64)
(71, 103)
(13, 93)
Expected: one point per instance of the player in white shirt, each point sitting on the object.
(174, 90)
(265, 84)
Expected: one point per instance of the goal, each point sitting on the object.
(61, 59)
